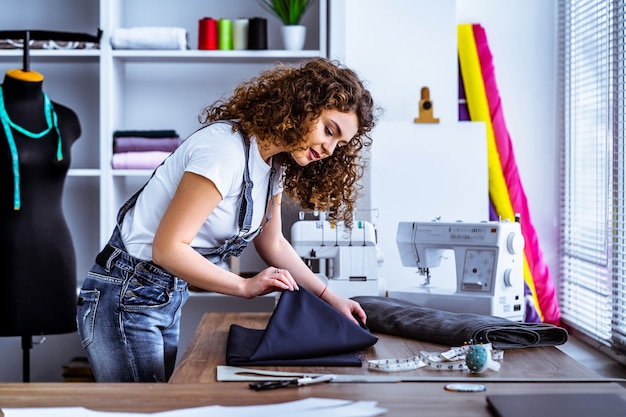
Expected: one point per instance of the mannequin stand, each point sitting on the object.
(53, 309)
(27, 345)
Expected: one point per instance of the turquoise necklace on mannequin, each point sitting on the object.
(7, 123)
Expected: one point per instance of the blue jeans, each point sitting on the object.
(128, 318)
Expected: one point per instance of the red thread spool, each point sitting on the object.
(207, 34)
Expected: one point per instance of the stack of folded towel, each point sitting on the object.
(148, 37)
(143, 149)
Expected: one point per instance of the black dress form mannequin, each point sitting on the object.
(38, 267)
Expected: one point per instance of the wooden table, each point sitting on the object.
(406, 399)
(530, 370)
(207, 350)
(526, 371)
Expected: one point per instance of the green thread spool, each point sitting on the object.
(225, 38)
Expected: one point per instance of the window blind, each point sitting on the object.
(592, 276)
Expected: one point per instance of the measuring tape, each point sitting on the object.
(453, 359)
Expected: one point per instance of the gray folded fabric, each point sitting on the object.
(403, 318)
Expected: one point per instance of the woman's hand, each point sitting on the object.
(269, 280)
(346, 306)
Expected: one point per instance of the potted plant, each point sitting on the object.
(290, 12)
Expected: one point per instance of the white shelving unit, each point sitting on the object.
(137, 89)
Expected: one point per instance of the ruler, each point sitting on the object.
(234, 374)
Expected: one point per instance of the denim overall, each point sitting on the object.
(128, 312)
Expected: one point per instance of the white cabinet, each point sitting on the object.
(137, 89)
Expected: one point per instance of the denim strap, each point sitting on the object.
(237, 243)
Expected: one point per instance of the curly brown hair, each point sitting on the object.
(282, 105)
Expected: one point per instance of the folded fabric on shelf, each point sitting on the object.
(403, 318)
(302, 331)
(51, 44)
(138, 160)
(149, 37)
(49, 39)
(139, 144)
(162, 133)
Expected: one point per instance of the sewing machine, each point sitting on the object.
(347, 260)
(487, 260)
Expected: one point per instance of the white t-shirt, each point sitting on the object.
(217, 153)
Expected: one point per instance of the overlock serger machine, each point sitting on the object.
(488, 262)
(347, 259)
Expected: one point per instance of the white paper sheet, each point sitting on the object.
(309, 407)
(49, 412)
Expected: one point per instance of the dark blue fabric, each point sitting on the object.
(302, 331)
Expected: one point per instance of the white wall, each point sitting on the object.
(398, 47)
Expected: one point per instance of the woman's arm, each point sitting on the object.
(195, 199)
(275, 250)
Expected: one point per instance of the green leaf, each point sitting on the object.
(290, 12)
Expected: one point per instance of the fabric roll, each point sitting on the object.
(403, 318)
(148, 37)
(302, 331)
(138, 160)
(463, 110)
(478, 107)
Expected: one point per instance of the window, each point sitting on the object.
(592, 291)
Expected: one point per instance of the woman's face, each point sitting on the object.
(333, 128)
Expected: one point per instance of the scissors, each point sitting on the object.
(297, 382)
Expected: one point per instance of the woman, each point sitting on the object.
(298, 130)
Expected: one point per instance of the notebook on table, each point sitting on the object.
(557, 405)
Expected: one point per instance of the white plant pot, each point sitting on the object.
(293, 37)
